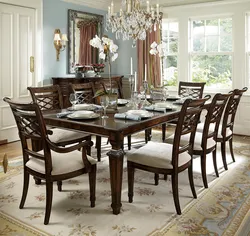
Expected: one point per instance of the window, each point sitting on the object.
(248, 47)
(211, 52)
(170, 34)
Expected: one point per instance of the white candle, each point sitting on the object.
(145, 72)
(129, 7)
(131, 66)
(135, 82)
(157, 9)
(112, 8)
(109, 10)
(148, 9)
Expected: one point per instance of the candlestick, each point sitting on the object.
(112, 8)
(148, 9)
(131, 66)
(145, 76)
(135, 82)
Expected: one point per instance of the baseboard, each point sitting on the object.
(4, 141)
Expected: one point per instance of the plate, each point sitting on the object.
(163, 105)
(122, 101)
(77, 107)
(142, 113)
(83, 115)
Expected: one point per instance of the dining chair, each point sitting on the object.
(192, 90)
(225, 130)
(52, 163)
(169, 159)
(50, 98)
(85, 93)
(205, 142)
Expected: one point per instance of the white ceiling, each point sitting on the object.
(103, 4)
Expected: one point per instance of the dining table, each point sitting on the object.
(115, 130)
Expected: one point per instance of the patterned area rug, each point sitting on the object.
(222, 209)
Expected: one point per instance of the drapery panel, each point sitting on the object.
(153, 63)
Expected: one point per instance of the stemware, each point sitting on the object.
(104, 103)
(73, 100)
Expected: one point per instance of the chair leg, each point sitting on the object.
(191, 179)
(92, 185)
(49, 195)
(26, 178)
(175, 190)
(203, 170)
(37, 181)
(165, 177)
(98, 147)
(231, 148)
(223, 153)
(59, 186)
(131, 174)
(215, 163)
(163, 130)
(129, 142)
(156, 179)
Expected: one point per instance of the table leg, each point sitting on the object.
(116, 170)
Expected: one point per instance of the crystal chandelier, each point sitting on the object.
(133, 21)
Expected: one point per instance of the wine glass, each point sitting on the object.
(73, 100)
(104, 103)
(165, 93)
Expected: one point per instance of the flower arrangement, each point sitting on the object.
(160, 49)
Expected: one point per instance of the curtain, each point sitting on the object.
(87, 54)
(153, 64)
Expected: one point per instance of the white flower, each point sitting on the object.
(159, 49)
(113, 47)
(95, 42)
(113, 58)
(102, 55)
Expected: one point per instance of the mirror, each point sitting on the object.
(82, 27)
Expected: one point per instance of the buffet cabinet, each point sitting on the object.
(64, 83)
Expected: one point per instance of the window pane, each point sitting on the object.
(198, 27)
(170, 71)
(226, 43)
(216, 71)
(173, 45)
(226, 26)
(199, 43)
(212, 43)
(212, 27)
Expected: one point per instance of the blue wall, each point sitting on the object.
(55, 16)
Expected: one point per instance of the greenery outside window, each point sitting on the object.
(170, 35)
(211, 52)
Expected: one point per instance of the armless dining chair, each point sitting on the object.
(192, 90)
(52, 163)
(225, 130)
(205, 142)
(85, 93)
(169, 159)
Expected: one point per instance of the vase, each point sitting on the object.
(78, 75)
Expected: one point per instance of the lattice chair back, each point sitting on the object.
(231, 109)
(116, 85)
(85, 92)
(213, 117)
(191, 89)
(30, 125)
(187, 124)
(48, 97)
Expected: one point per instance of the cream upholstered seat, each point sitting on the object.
(52, 163)
(170, 159)
(157, 155)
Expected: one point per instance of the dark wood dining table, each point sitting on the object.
(115, 130)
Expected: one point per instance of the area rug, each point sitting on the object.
(222, 209)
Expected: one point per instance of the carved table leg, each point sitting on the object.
(116, 171)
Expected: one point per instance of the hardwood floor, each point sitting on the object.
(13, 149)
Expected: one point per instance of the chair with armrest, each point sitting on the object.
(192, 90)
(169, 159)
(85, 93)
(50, 98)
(205, 142)
(225, 130)
(52, 162)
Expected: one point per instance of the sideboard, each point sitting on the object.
(64, 82)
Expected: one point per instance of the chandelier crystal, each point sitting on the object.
(133, 21)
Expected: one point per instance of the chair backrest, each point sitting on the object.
(115, 82)
(47, 97)
(31, 125)
(191, 89)
(231, 109)
(85, 92)
(213, 117)
(187, 124)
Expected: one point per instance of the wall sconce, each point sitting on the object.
(59, 42)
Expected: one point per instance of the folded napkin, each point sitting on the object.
(86, 107)
(63, 114)
(154, 108)
(127, 116)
